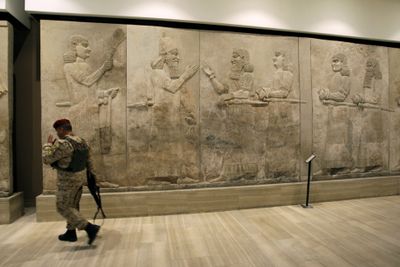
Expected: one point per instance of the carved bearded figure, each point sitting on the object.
(169, 115)
(239, 84)
(239, 159)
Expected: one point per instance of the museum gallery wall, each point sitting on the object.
(6, 108)
(167, 108)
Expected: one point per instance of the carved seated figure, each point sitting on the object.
(282, 79)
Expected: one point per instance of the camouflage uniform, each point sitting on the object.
(69, 184)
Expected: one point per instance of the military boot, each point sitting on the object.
(92, 230)
(69, 235)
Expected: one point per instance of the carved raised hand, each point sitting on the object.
(190, 70)
(208, 71)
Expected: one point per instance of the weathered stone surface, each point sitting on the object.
(306, 110)
(245, 134)
(150, 203)
(6, 116)
(167, 108)
(394, 101)
(163, 105)
(11, 207)
(351, 108)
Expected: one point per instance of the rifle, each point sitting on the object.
(95, 192)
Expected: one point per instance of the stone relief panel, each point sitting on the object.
(249, 108)
(394, 67)
(351, 109)
(163, 106)
(167, 108)
(6, 182)
(84, 79)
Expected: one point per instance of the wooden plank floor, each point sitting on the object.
(363, 232)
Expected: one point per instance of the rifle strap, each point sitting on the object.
(97, 212)
(99, 208)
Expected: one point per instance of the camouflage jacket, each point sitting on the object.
(61, 151)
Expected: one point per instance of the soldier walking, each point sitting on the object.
(70, 156)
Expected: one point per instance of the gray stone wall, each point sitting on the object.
(167, 108)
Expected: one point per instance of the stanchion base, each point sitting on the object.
(307, 206)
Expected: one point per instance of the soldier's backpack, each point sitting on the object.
(79, 156)
(78, 163)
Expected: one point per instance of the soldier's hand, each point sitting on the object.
(50, 139)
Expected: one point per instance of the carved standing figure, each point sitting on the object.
(337, 152)
(169, 115)
(90, 107)
(282, 79)
(369, 147)
(239, 158)
(281, 148)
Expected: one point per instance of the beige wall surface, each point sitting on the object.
(6, 110)
(366, 19)
(167, 108)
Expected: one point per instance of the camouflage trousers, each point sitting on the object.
(68, 195)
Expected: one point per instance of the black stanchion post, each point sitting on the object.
(309, 160)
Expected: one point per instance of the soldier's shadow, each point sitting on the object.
(83, 247)
(106, 240)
